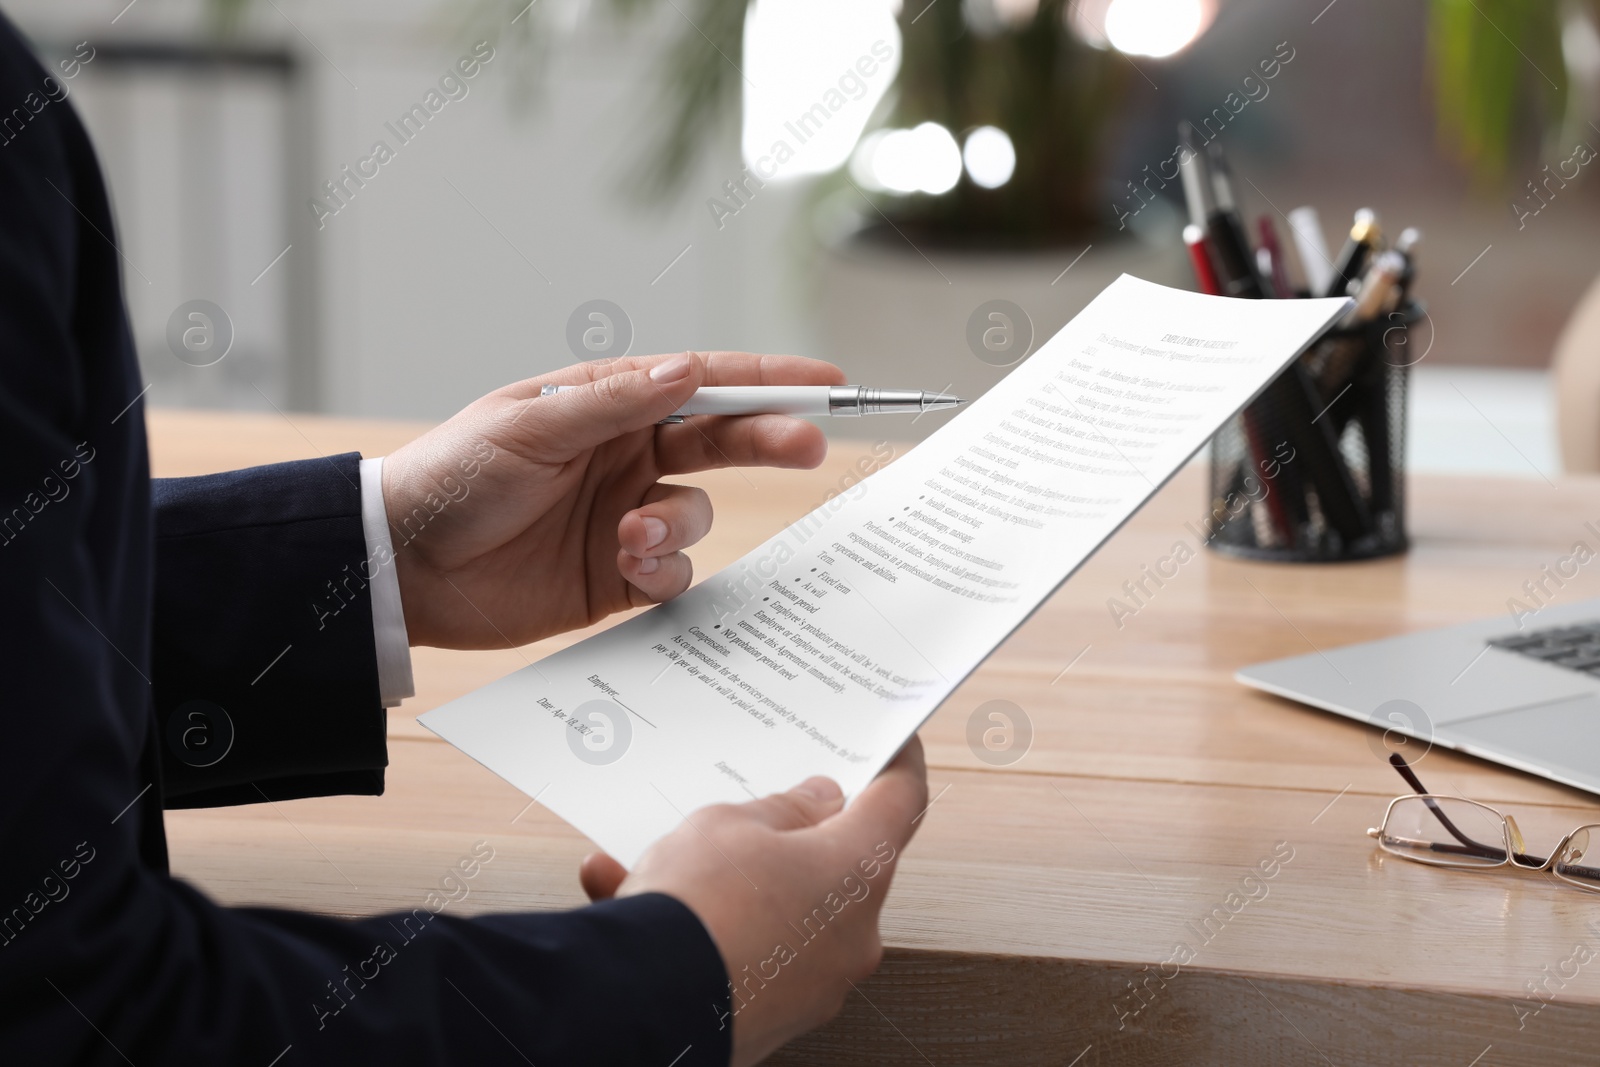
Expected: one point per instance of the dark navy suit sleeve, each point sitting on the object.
(265, 677)
(104, 957)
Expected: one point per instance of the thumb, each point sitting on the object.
(895, 800)
(805, 805)
(601, 876)
(593, 413)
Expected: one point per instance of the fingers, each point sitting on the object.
(886, 808)
(721, 368)
(711, 442)
(612, 404)
(588, 371)
(655, 579)
(621, 395)
(653, 536)
(805, 805)
(672, 518)
(600, 876)
(744, 368)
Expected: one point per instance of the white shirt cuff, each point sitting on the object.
(388, 619)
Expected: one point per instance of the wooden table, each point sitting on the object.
(1038, 894)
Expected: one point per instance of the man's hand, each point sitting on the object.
(790, 888)
(525, 516)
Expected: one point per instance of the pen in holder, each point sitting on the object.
(1314, 469)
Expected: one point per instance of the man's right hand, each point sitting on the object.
(790, 887)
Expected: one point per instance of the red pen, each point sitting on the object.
(1269, 243)
(1205, 275)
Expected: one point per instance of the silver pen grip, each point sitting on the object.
(860, 400)
(845, 399)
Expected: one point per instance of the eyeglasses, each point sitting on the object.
(1454, 832)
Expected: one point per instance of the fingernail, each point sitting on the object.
(672, 370)
(649, 565)
(655, 532)
(820, 788)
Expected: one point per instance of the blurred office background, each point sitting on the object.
(599, 152)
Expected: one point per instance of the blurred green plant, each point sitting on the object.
(697, 83)
(1498, 65)
(696, 90)
(1053, 95)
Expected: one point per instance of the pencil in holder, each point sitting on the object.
(1313, 470)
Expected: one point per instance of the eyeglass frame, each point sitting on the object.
(1512, 853)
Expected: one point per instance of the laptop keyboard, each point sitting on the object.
(1574, 647)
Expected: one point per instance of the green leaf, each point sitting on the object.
(1498, 73)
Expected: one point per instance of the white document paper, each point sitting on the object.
(823, 649)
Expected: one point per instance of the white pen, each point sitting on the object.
(1306, 228)
(801, 400)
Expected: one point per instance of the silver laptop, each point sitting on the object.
(1527, 698)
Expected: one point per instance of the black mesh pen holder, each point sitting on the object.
(1314, 469)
